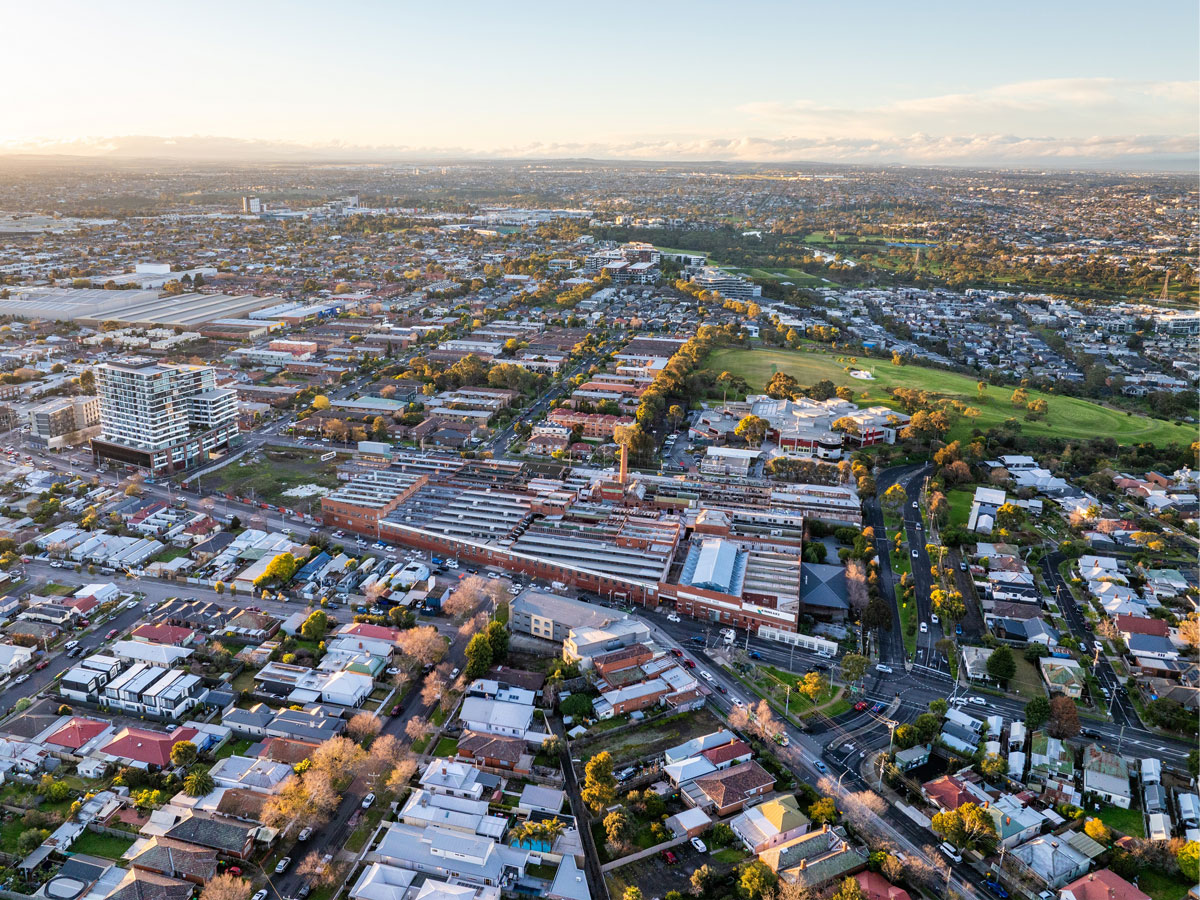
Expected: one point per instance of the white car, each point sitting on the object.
(978, 701)
(706, 675)
(933, 618)
(671, 617)
(368, 800)
(887, 670)
(304, 835)
(281, 866)
(699, 845)
(914, 554)
(924, 628)
(261, 895)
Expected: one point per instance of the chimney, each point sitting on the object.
(624, 475)
(803, 864)
(824, 827)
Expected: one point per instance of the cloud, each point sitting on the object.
(1133, 151)
(1071, 107)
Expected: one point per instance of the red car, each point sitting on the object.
(670, 857)
(860, 706)
(112, 634)
(691, 664)
(676, 652)
(42, 664)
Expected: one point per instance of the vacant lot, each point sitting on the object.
(267, 475)
(648, 741)
(1068, 417)
(1126, 821)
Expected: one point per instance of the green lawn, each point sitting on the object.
(729, 855)
(1160, 887)
(110, 846)
(447, 746)
(960, 506)
(1028, 680)
(1126, 821)
(1068, 417)
(9, 832)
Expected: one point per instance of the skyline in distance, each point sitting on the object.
(1066, 85)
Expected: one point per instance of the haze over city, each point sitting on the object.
(1060, 84)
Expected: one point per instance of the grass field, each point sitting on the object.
(110, 846)
(1160, 887)
(798, 277)
(1126, 821)
(1068, 417)
(960, 506)
(273, 471)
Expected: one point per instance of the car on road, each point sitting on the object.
(697, 639)
(42, 664)
(915, 505)
(820, 766)
(368, 800)
(958, 629)
(924, 628)
(672, 617)
(261, 895)
(454, 674)
(951, 852)
(933, 617)
(669, 858)
(754, 654)
(281, 866)
(887, 670)
(21, 679)
(676, 652)
(71, 645)
(860, 705)
(876, 707)
(722, 689)
(699, 845)
(978, 701)
(914, 553)
(706, 675)
(305, 834)
(994, 887)
(690, 663)
(112, 633)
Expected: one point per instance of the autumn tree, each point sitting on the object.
(339, 758)
(854, 667)
(823, 811)
(701, 880)
(316, 626)
(423, 643)
(364, 725)
(415, 728)
(184, 754)
(466, 598)
(993, 766)
(757, 881)
(226, 887)
(616, 828)
(1064, 717)
(810, 685)
(752, 429)
(433, 689)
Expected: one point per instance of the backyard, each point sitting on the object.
(1126, 821)
(109, 846)
(650, 740)
(1067, 417)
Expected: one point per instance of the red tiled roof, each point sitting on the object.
(76, 733)
(150, 747)
(1104, 885)
(948, 792)
(83, 604)
(726, 752)
(162, 633)
(875, 887)
(1142, 625)
(375, 632)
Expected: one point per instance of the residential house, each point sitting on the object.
(1104, 884)
(770, 824)
(729, 790)
(815, 859)
(1052, 859)
(1106, 775)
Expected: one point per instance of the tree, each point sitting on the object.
(339, 758)
(823, 811)
(315, 626)
(1097, 831)
(752, 429)
(849, 890)
(939, 707)
(279, 570)
(811, 685)
(479, 657)
(675, 414)
(894, 497)
(401, 775)
(969, 827)
(415, 728)
(1188, 858)
(497, 636)
(1064, 717)
(198, 782)
(423, 643)
(632, 893)
(616, 827)
(1037, 712)
(466, 598)
(364, 725)
(1001, 665)
(30, 839)
(226, 887)
(927, 726)
(320, 402)
(757, 881)
(702, 879)
(184, 754)
(993, 766)
(599, 785)
(948, 605)
(433, 689)
(854, 667)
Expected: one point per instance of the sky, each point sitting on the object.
(1056, 83)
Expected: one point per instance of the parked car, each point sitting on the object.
(860, 705)
(995, 887)
(699, 845)
(21, 679)
(820, 766)
(42, 664)
(281, 866)
(305, 834)
(669, 858)
(261, 895)
(368, 800)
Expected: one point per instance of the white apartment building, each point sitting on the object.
(162, 418)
